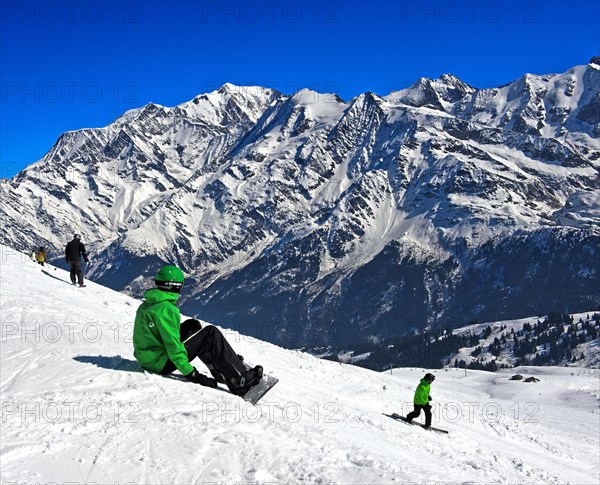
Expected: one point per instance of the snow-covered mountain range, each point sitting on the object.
(307, 219)
(76, 408)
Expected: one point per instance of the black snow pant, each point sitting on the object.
(76, 271)
(417, 412)
(210, 346)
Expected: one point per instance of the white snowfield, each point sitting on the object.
(76, 408)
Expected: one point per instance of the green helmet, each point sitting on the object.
(169, 278)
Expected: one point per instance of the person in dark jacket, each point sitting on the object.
(421, 400)
(162, 344)
(74, 251)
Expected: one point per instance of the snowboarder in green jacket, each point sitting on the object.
(162, 344)
(421, 400)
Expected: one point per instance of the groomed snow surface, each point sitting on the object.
(76, 408)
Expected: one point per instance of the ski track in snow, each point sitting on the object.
(77, 408)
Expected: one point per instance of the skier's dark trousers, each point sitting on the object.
(73, 253)
(421, 400)
(210, 346)
(417, 412)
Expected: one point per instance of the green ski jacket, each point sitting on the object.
(156, 333)
(422, 393)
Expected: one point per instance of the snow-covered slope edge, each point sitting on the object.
(75, 408)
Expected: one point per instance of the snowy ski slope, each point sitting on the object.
(76, 408)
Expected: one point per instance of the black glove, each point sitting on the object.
(86, 259)
(430, 398)
(201, 379)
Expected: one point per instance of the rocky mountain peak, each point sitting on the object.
(432, 205)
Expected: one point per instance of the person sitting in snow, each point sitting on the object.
(421, 400)
(40, 256)
(162, 344)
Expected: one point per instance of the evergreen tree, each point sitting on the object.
(495, 348)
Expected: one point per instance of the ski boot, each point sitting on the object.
(249, 379)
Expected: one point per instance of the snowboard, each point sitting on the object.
(257, 392)
(254, 394)
(397, 417)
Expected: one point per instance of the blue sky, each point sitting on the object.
(70, 65)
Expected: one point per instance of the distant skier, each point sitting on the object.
(40, 256)
(162, 344)
(73, 253)
(421, 400)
